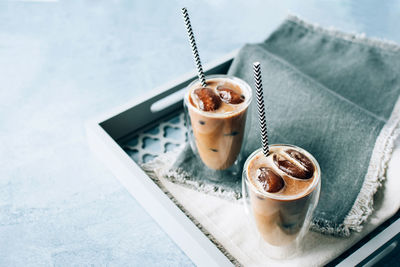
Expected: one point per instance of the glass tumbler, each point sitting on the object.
(281, 219)
(216, 137)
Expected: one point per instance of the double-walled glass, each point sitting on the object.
(281, 220)
(216, 138)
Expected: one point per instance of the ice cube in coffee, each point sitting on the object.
(217, 115)
(283, 189)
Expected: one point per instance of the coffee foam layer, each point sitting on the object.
(225, 109)
(293, 188)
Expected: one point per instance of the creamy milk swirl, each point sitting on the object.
(218, 116)
(293, 187)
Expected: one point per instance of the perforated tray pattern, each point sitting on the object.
(168, 135)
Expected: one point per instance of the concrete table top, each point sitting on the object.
(64, 62)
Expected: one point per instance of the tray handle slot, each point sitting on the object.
(156, 106)
(168, 101)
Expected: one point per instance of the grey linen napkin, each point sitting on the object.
(332, 94)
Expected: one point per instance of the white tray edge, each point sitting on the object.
(172, 220)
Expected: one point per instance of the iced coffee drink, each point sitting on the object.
(217, 115)
(282, 191)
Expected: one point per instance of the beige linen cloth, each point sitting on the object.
(226, 224)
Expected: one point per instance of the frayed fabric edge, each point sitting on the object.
(161, 167)
(363, 205)
(381, 155)
(360, 38)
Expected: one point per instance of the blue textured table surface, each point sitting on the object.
(64, 62)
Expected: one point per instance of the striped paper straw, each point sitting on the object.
(261, 107)
(192, 41)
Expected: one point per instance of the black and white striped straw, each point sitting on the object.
(192, 41)
(261, 107)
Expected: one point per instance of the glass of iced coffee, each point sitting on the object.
(216, 117)
(280, 192)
